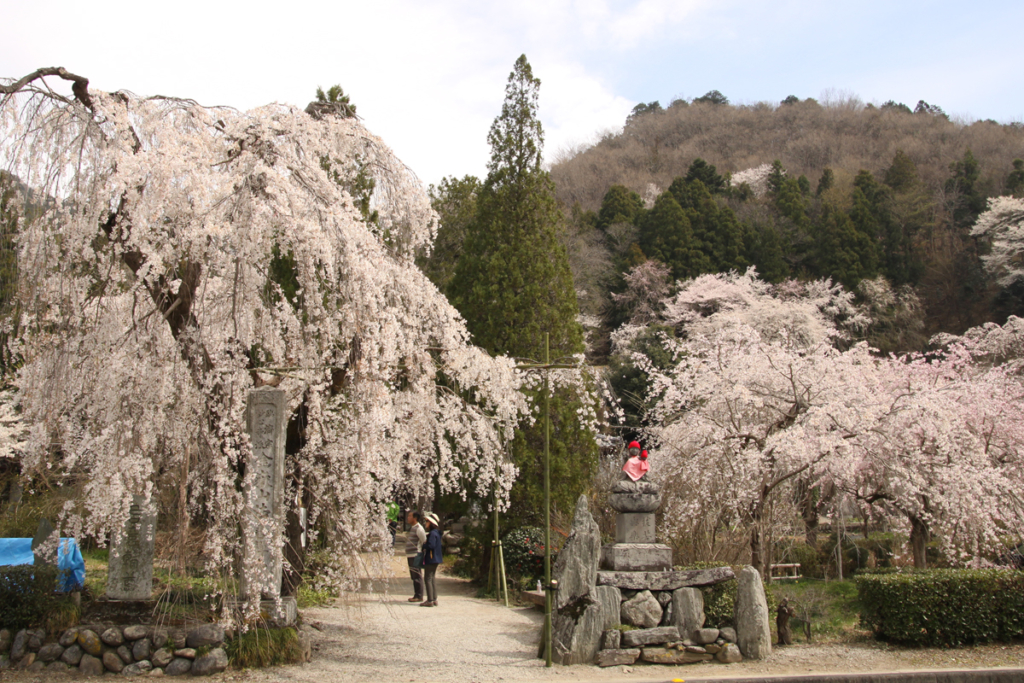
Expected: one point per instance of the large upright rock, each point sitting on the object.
(688, 606)
(577, 622)
(576, 632)
(576, 566)
(753, 634)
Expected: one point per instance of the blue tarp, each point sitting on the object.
(69, 559)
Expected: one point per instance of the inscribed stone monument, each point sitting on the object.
(130, 571)
(266, 421)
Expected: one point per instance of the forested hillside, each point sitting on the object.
(799, 190)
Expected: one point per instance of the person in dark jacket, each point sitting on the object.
(431, 558)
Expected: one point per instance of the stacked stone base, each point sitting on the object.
(127, 650)
(664, 645)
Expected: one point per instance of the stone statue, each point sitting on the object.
(633, 492)
(782, 622)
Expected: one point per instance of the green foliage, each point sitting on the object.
(630, 383)
(524, 553)
(28, 595)
(826, 182)
(309, 596)
(943, 606)
(261, 647)
(712, 97)
(512, 282)
(336, 95)
(895, 106)
(707, 174)
(620, 205)
(644, 108)
(455, 201)
(963, 190)
(666, 235)
(1015, 179)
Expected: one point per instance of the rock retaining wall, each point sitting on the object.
(127, 650)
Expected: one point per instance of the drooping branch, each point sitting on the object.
(79, 84)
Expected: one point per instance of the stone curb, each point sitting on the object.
(934, 676)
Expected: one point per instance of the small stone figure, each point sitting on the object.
(782, 622)
(636, 466)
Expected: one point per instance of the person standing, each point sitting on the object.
(432, 557)
(414, 541)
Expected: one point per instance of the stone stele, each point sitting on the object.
(636, 557)
(267, 423)
(130, 570)
(753, 633)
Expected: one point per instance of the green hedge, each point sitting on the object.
(943, 606)
(27, 595)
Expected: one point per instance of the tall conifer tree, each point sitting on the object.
(512, 283)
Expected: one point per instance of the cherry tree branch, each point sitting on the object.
(79, 84)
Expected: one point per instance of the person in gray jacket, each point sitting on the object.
(414, 541)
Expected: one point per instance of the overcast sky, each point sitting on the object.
(429, 77)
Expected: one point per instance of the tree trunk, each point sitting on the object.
(919, 541)
(759, 552)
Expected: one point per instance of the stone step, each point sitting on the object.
(666, 580)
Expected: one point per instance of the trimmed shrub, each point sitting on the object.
(523, 549)
(943, 606)
(28, 595)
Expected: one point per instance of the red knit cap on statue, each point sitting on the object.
(632, 445)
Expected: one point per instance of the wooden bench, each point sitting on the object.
(785, 571)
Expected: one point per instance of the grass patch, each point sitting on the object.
(312, 597)
(261, 647)
(830, 608)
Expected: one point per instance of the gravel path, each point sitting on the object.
(382, 637)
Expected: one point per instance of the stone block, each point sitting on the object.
(664, 580)
(141, 649)
(90, 642)
(125, 653)
(688, 605)
(611, 639)
(650, 636)
(50, 652)
(634, 502)
(179, 666)
(72, 656)
(662, 655)
(728, 634)
(162, 657)
(617, 657)
(137, 669)
(112, 662)
(112, 636)
(729, 654)
(610, 600)
(90, 666)
(753, 634)
(634, 527)
(636, 557)
(69, 637)
(641, 610)
(703, 636)
(207, 634)
(212, 663)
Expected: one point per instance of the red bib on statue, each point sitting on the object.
(636, 468)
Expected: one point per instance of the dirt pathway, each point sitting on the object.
(375, 637)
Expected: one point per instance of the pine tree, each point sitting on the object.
(513, 285)
(620, 205)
